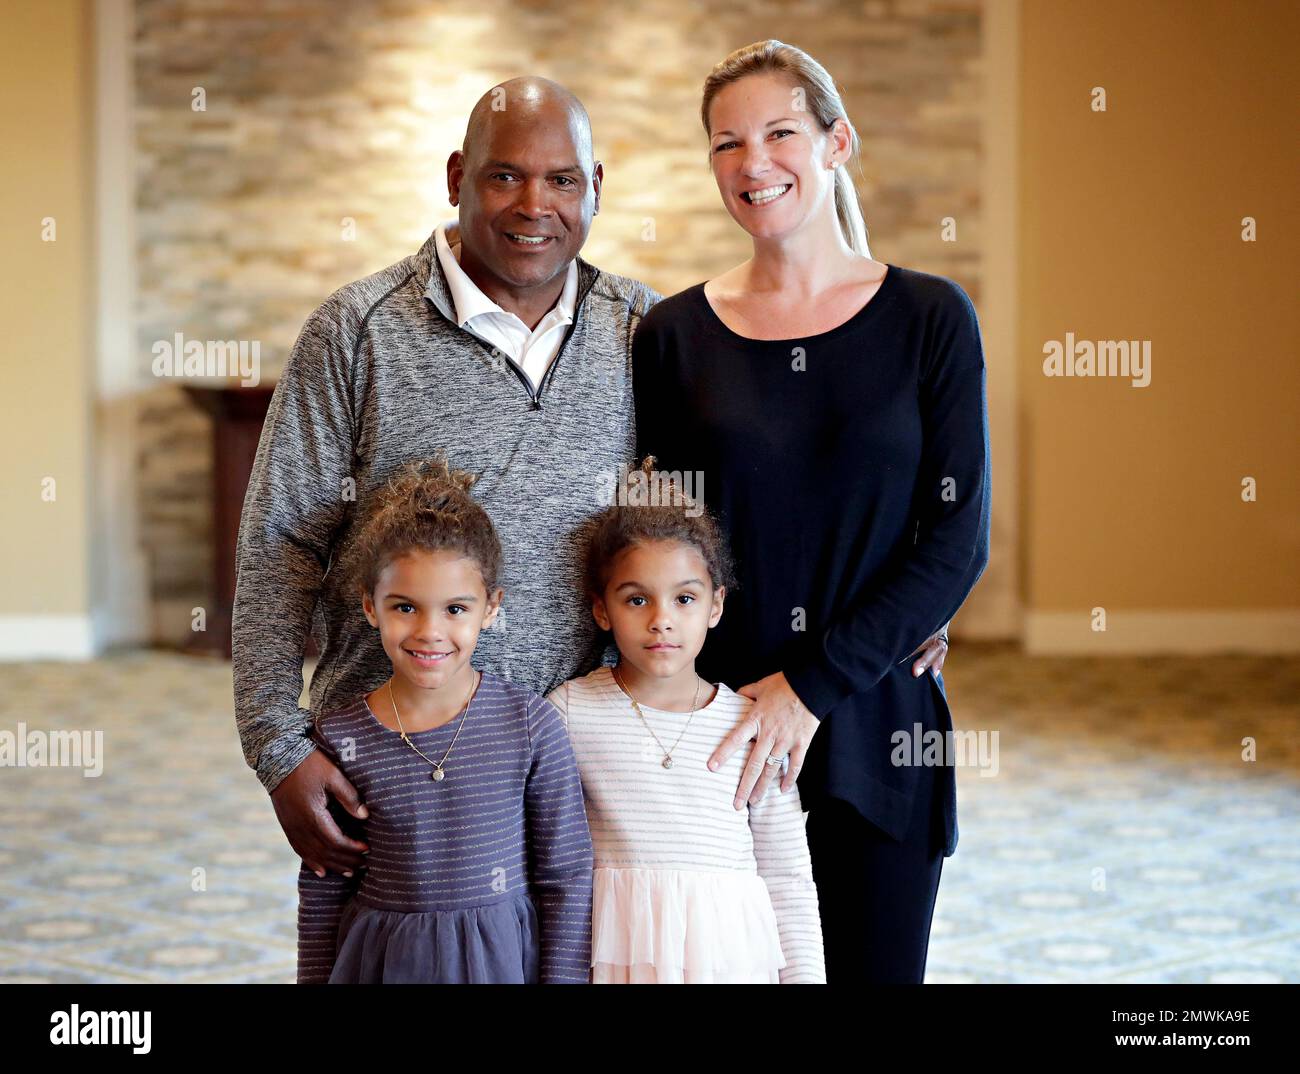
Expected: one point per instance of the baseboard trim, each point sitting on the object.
(46, 637)
(1169, 632)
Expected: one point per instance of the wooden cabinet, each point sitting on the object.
(237, 416)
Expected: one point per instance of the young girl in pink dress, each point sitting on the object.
(687, 889)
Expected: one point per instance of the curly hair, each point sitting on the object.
(674, 517)
(426, 506)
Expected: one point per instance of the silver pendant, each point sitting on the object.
(438, 775)
(668, 762)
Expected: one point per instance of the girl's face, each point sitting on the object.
(659, 605)
(429, 608)
(764, 142)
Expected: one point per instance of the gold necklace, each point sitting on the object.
(438, 775)
(668, 754)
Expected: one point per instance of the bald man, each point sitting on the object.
(496, 343)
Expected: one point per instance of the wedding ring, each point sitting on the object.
(775, 760)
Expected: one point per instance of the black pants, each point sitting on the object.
(876, 895)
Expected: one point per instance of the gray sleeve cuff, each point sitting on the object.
(281, 758)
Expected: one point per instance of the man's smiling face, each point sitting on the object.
(527, 189)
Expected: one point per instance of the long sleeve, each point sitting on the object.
(951, 503)
(321, 902)
(559, 849)
(781, 850)
(296, 500)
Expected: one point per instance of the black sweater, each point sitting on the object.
(850, 472)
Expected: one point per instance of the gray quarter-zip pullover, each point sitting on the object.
(380, 375)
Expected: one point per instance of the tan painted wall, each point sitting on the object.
(45, 306)
(1130, 228)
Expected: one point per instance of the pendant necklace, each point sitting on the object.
(668, 754)
(437, 775)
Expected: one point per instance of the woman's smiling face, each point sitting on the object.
(763, 144)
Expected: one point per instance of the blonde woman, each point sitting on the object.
(836, 406)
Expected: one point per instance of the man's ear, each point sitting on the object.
(715, 613)
(455, 173)
(368, 606)
(597, 178)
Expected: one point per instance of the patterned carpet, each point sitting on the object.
(1123, 837)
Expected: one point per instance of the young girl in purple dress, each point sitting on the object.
(480, 862)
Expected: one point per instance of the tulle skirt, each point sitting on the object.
(672, 926)
(493, 944)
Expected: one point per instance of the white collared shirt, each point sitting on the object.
(532, 350)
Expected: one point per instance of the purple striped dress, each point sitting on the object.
(484, 877)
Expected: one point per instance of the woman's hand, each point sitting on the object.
(932, 653)
(780, 724)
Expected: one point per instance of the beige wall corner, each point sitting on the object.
(994, 609)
